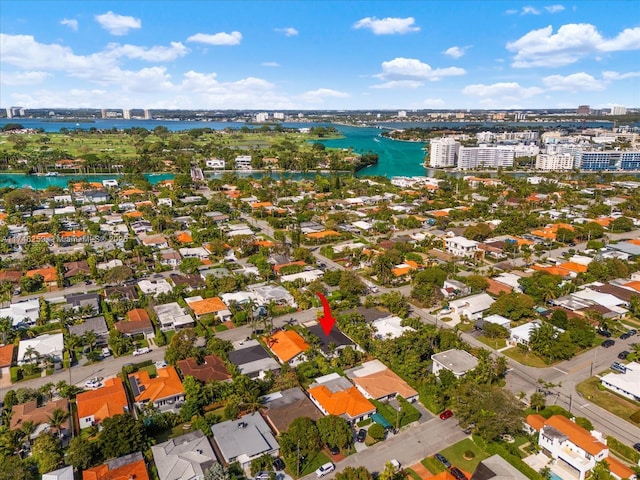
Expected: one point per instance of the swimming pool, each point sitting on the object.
(555, 476)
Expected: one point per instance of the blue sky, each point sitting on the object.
(319, 55)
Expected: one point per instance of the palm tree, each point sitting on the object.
(57, 419)
(5, 327)
(31, 352)
(90, 338)
(47, 390)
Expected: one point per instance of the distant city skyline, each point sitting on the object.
(288, 55)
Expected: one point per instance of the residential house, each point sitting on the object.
(376, 381)
(169, 258)
(497, 468)
(165, 390)
(154, 241)
(172, 316)
(504, 322)
(123, 292)
(574, 447)
(97, 325)
(252, 359)
(461, 247)
(94, 406)
(47, 345)
(283, 407)
(244, 440)
(390, 327)
(458, 362)
(6, 359)
(64, 473)
(190, 281)
(208, 306)
(522, 333)
(335, 395)
(626, 384)
(473, 306)
(129, 467)
(77, 301)
(76, 269)
(454, 288)
(49, 275)
(154, 287)
(288, 346)
(333, 342)
(212, 369)
(11, 276)
(23, 313)
(137, 322)
(39, 416)
(186, 457)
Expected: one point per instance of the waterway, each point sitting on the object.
(395, 158)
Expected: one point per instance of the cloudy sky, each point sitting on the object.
(319, 54)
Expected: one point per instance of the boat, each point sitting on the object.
(52, 174)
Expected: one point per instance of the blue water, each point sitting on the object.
(40, 183)
(555, 476)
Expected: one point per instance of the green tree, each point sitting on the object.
(121, 435)
(13, 468)
(376, 431)
(477, 283)
(47, 453)
(514, 306)
(217, 472)
(190, 265)
(537, 401)
(354, 473)
(621, 224)
(81, 453)
(335, 431)
(182, 346)
(302, 437)
(390, 472)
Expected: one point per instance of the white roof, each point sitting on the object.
(509, 279)
(47, 344)
(473, 303)
(390, 327)
(604, 299)
(27, 311)
(308, 276)
(498, 319)
(362, 225)
(463, 242)
(154, 286)
(628, 382)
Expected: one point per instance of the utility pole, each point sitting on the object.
(298, 460)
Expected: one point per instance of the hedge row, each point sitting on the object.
(623, 450)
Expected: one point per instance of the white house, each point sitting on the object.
(461, 247)
(389, 327)
(522, 333)
(215, 163)
(22, 313)
(154, 287)
(498, 320)
(472, 306)
(458, 362)
(243, 162)
(626, 384)
(172, 316)
(47, 345)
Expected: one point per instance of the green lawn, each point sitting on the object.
(529, 359)
(311, 465)
(495, 343)
(433, 465)
(412, 474)
(455, 452)
(620, 406)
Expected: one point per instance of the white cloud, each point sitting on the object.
(554, 8)
(71, 23)
(433, 103)
(319, 95)
(410, 68)
(222, 38)
(619, 76)
(573, 41)
(23, 78)
(270, 64)
(287, 31)
(511, 11)
(118, 24)
(152, 54)
(506, 91)
(456, 52)
(575, 82)
(387, 26)
(528, 10)
(399, 84)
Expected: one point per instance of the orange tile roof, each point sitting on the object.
(618, 468)
(207, 305)
(131, 191)
(256, 205)
(562, 272)
(384, 383)
(350, 401)
(103, 402)
(184, 237)
(49, 274)
(412, 264)
(277, 268)
(556, 226)
(137, 315)
(136, 470)
(522, 241)
(578, 435)
(286, 344)
(73, 234)
(400, 271)
(536, 421)
(635, 285)
(323, 234)
(134, 214)
(602, 221)
(574, 267)
(440, 213)
(6, 355)
(635, 241)
(166, 384)
(145, 203)
(264, 243)
(496, 288)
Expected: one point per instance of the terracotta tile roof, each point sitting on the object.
(166, 384)
(73, 234)
(184, 237)
(131, 191)
(602, 221)
(6, 355)
(137, 321)
(12, 276)
(264, 243)
(522, 241)
(574, 267)
(496, 288)
(400, 271)
(207, 305)
(135, 214)
(41, 236)
(144, 203)
(384, 383)
(635, 241)
(618, 468)
(286, 344)
(137, 315)
(578, 435)
(103, 402)
(439, 213)
(635, 285)
(323, 234)
(135, 470)
(277, 268)
(350, 401)
(536, 421)
(257, 205)
(212, 370)
(31, 412)
(49, 274)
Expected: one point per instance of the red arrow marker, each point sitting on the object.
(327, 320)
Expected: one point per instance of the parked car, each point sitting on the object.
(278, 464)
(333, 450)
(443, 460)
(623, 355)
(604, 333)
(141, 351)
(458, 474)
(618, 367)
(625, 335)
(637, 446)
(325, 469)
(93, 383)
(608, 343)
(106, 352)
(446, 414)
(632, 332)
(262, 476)
(362, 434)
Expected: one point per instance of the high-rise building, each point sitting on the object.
(262, 117)
(147, 115)
(13, 112)
(9, 112)
(443, 152)
(278, 115)
(554, 162)
(610, 161)
(103, 113)
(126, 114)
(584, 110)
(485, 156)
(402, 114)
(618, 110)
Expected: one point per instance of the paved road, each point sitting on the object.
(408, 447)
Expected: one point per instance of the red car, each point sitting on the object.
(446, 414)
